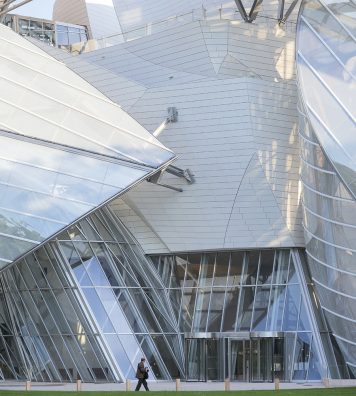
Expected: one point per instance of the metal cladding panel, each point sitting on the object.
(66, 148)
(233, 86)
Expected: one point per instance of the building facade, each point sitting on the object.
(58, 34)
(237, 260)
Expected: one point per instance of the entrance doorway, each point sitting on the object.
(203, 359)
(256, 359)
(261, 360)
(239, 360)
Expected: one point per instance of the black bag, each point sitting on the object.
(145, 375)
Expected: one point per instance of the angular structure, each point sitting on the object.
(209, 275)
(69, 150)
(326, 67)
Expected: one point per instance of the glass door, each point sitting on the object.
(239, 352)
(262, 359)
(213, 364)
(195, 354)
(278, 358)
(204, 359)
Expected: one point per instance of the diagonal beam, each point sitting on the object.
(6, 10)
(242, 10)
(255, 9)
(280, 10)
(289, 11)
(6, 4)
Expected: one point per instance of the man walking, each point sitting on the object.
(142, 375)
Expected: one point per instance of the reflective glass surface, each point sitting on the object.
(326, 51)
(329, 221)
(68, 150)
(45, 188)
(89, 305)
(40, 97)
(77, 315)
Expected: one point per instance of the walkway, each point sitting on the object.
(171, 386)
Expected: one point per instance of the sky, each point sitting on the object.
(37, 8)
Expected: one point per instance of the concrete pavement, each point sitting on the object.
(171, 386)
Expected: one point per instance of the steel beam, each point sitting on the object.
(7, 10)
(289, 11)
(242, 10)
(255, 9)
(280, 11)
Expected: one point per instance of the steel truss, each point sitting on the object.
(249, 17)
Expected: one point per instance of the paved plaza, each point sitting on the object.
(171, 386)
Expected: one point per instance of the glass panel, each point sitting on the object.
(201, 309)
(230, 311)
(179, 271)
(278, 358)
(303, 323)
(251, 267)
(260, 308)
(98, 309)
(196, 359)
(142, 306)
(213, 360)
(95, 272)
(301, 356)
(266, 267)
(221, 269)
(216, 310)
(235, 268)
(280, 273)
(188, 303)
(207, 270)
(150, 352)
(174, 342)
(261, 359)
(164, 266)
(55, 194)
(314, 371)
(193, 269)
(275, 313)
(239, 357)
(120, 356)
(245, 308)
(165, 353)
(133, 319)
(291, 310)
